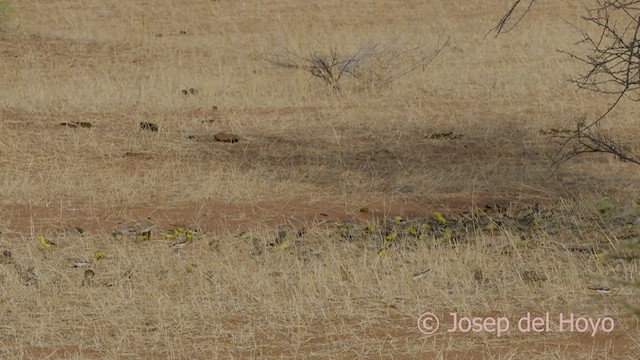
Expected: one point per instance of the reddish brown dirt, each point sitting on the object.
(222, 217)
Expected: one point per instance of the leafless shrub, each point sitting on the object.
(391, 62)
(377, 64)
(330, 67)
(590, 138)
(614, 53)
(613, 60)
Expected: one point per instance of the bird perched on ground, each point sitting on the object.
(144, 234)
(46, 243)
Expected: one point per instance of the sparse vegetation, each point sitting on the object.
(269, 218)
(613, 61)
(5, 15)
(373, 65)
(612, 44)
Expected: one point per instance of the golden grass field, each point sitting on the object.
(307, 238)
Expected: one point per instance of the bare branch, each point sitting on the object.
(613, 62)
(502, 27)
(591, 139)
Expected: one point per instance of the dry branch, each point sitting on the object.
(513, 16)
(379, 64)
(613, 60)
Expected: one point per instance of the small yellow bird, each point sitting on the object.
(441, 219)
(143, 236)
(46, 243)
(174, 234)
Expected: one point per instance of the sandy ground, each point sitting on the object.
(338, 218)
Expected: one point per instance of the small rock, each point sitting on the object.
(532, 276)
(6, 257)
(75, 124)
(148, 126)
(445, 135)
(226, 137)
(190, 91)
(478, 276)
(301, 232)
(88, 275)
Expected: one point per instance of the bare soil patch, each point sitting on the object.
(323, 224)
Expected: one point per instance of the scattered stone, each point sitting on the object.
(6, 257)
(445, 135)
(80, 230)
(554, 131)
(421, 274)
(88, 275)
(203, 138)
(257, 247)
(585, 249)
(226, 137)
(602, 290)
(28, 276)
(214, 117)
(301, 232)
(138, 155)
(478, 276)
(148, 126)
(76, 124)
(532, 276)
(78, 263)
(190, 91)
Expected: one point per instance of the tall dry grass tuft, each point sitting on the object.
(281, 260)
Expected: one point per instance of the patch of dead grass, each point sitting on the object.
(307, 157)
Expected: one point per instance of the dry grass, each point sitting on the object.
(308, 157)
